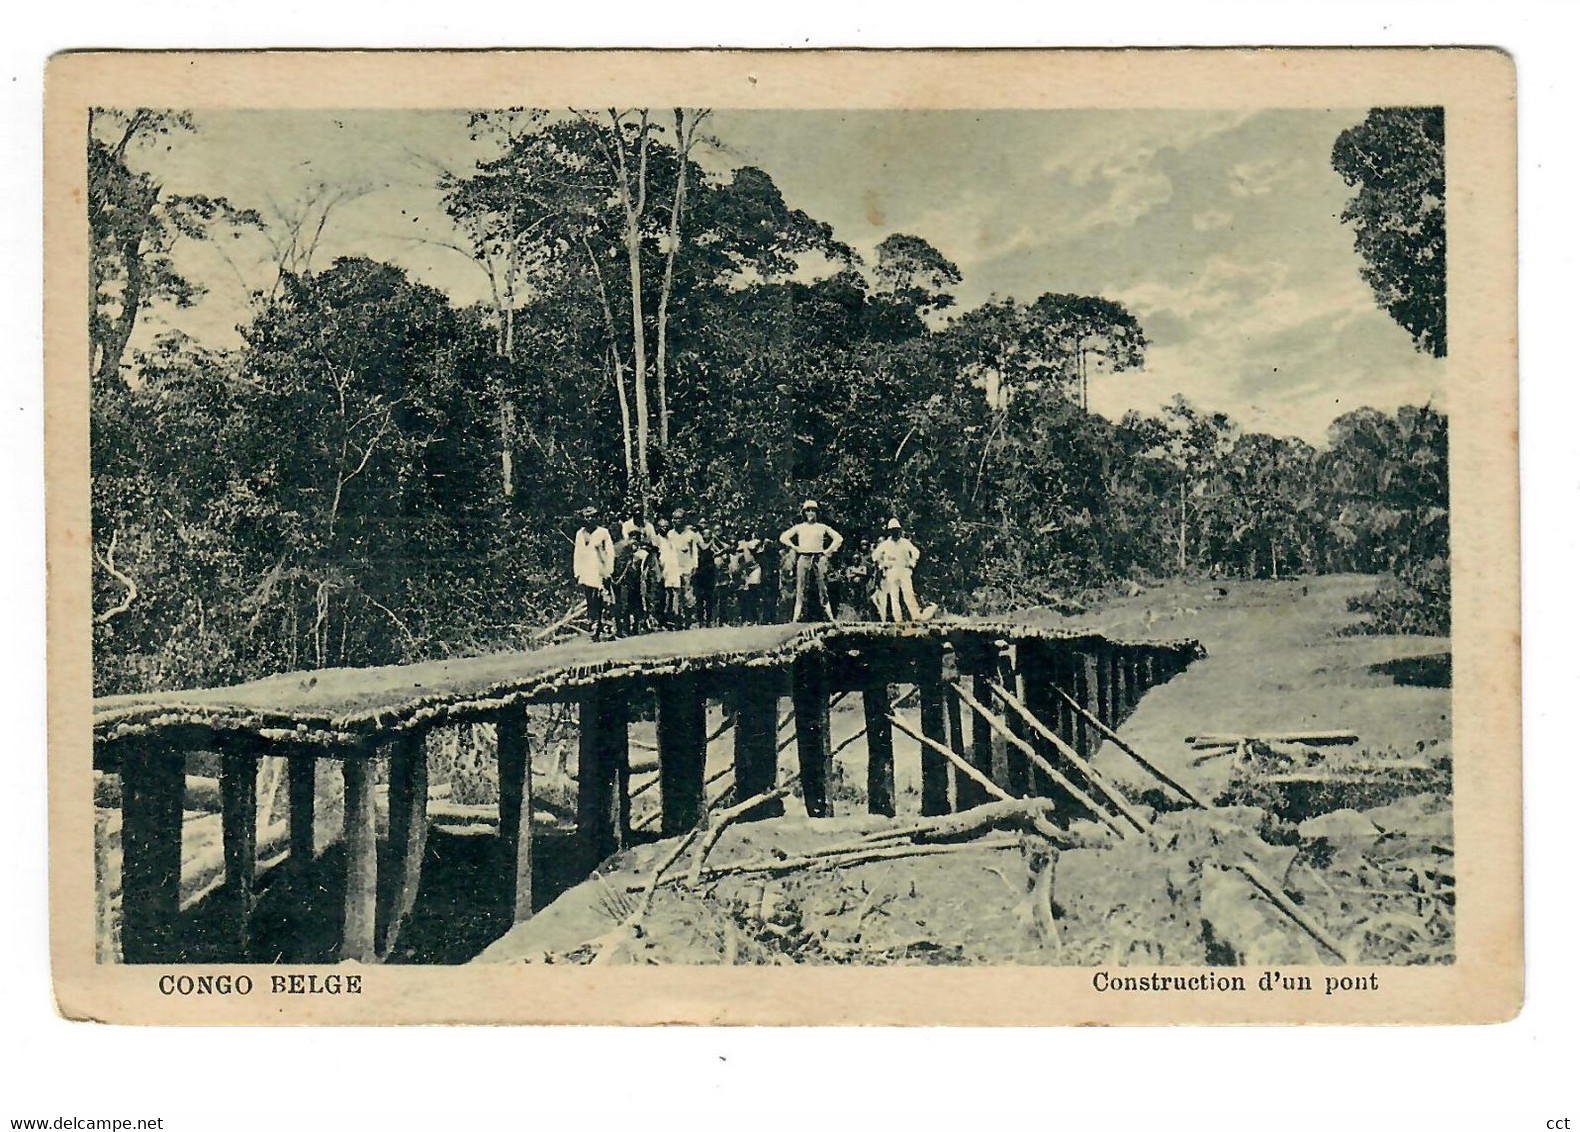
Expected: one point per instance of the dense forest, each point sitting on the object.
(377, 474)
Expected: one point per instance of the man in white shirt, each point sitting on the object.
(896, 557)
(593, 565)
(812, 542)
(669, 569)
(687, 542)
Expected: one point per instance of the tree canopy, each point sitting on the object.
(377, 474)
(1394, 162)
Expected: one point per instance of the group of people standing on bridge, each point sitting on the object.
(677, 573)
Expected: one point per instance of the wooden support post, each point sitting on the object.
(1091, 698)
(880, 750)
(935, 768)
(1105, 690)
(301, 781)
(809, 698)
(757, 740)
(988, 749)
(1042, 667)
(603, 769)
(1149, 670)
(1120, 707)
(408, 835)
(968, 792)
(238, 804)
(682, 753)
(153, 778)
(301, 776)
(514, 753)
(1017, 767)
(358, 924)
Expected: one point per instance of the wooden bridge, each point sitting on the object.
(1040, 701)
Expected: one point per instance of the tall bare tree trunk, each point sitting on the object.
(131, 300)
(625, 410)
(634, 199)
(615, 360)
(507, 457)
(683, 141)
(1182, 526)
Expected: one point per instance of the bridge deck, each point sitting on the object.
(337, 704)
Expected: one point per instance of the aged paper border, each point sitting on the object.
(1477, 89)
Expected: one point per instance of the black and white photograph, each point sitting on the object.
(696, 536)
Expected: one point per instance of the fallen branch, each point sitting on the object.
(630, 928)
(716, 827)
(1113, 737)
(824, 860)
(1309, 738)
(571, 614)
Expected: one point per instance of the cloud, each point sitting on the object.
(1211, 220)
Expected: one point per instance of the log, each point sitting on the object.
(935, 770)
(880, 750)
(359, 913)
(1114, 797)
(151, 785)
(811, 861)
(989, 748)
(682, 726)
(1288, 907)
(1309, 739)
(513, 756)
(1017, 768)
(1091, 691)
(302, 775)
(1042, 669)
(238, 786)
(603, 806)
(967, 791)
(1122, 704)
(719, 822)
(960, 764)
(1109, 733)
(1027, 815)
(408, 834)
(756, 735)
(571, 614)
(809, 697)
(1048, 769)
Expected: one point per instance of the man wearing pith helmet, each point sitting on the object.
(811, 541)
(896, 557)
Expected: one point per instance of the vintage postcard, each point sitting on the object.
(773, 537)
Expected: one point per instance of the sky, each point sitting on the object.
(1218, 230)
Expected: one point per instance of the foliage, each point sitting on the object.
(376, 475)
(1394, 161)
(132, 226)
